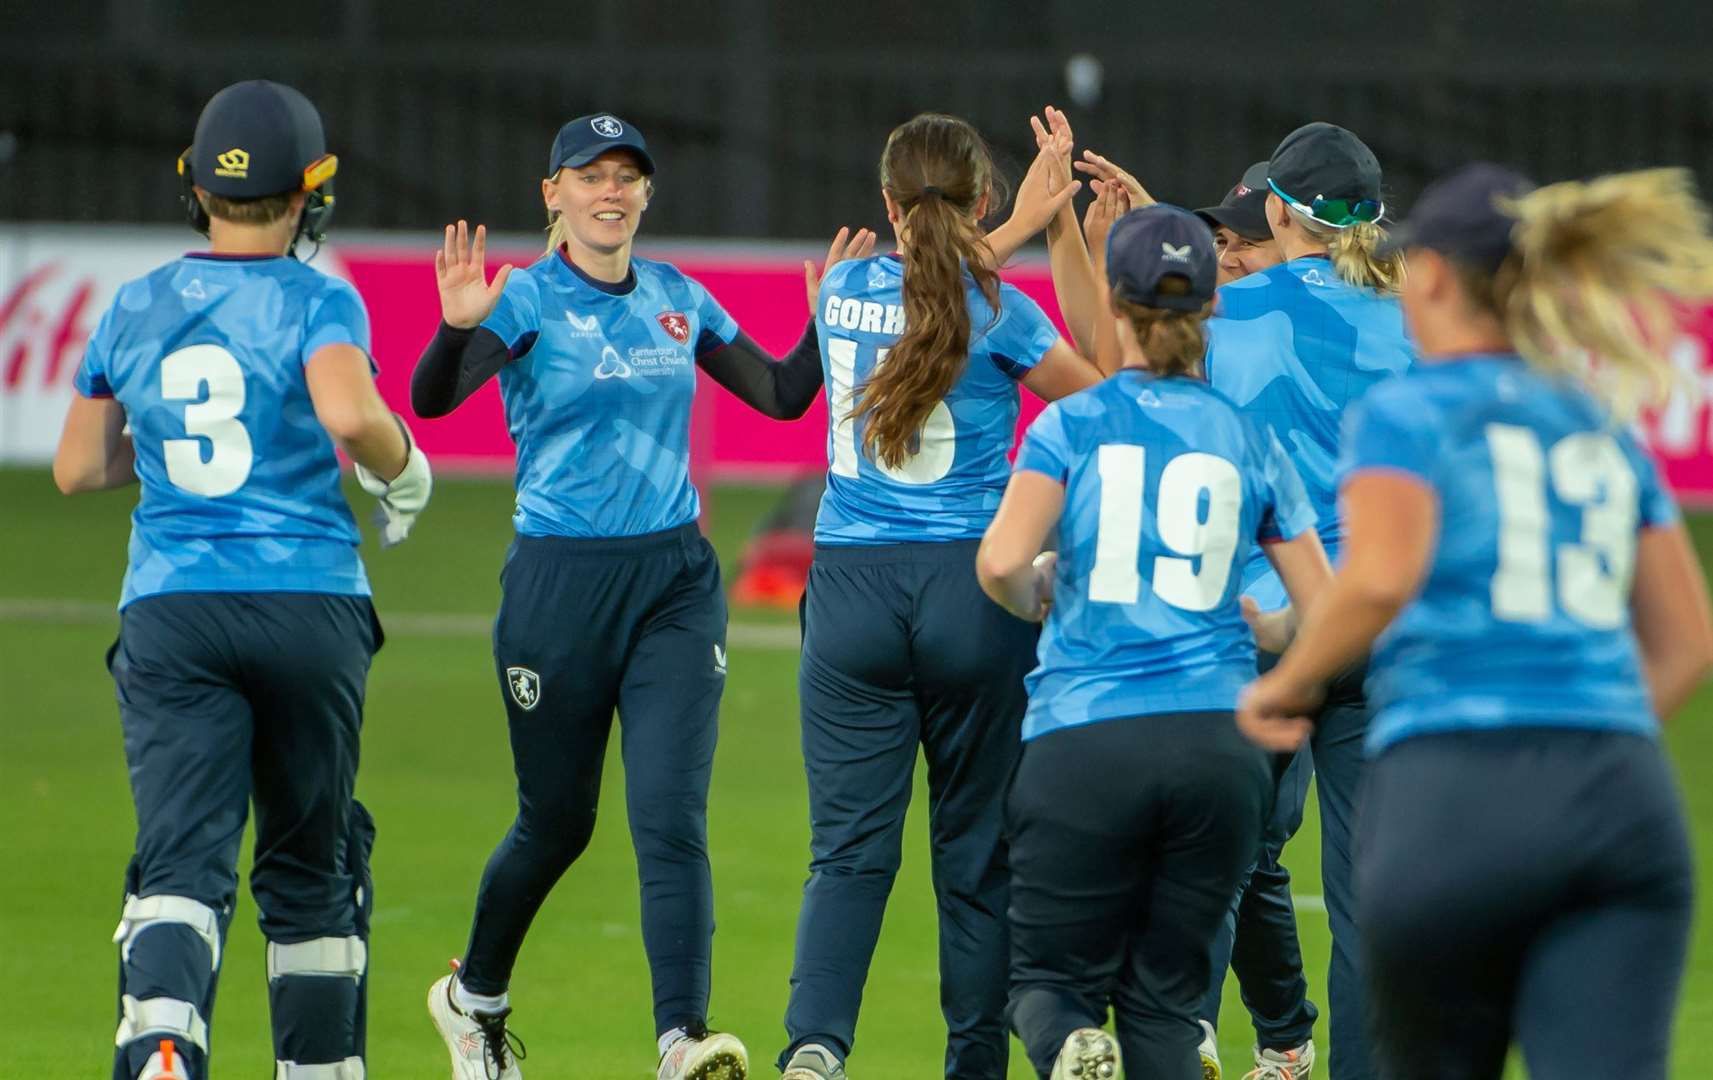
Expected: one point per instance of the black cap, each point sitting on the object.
(1147, 246)
(1459, 215)
(1324, 160)
(588, 137)
(256, 139)
(1244, 208)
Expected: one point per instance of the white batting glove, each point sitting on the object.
(404, 497)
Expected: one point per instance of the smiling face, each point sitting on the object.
(1239, 257)
(601, 203)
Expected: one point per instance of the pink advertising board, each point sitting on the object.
(764, 294)
(56, 280)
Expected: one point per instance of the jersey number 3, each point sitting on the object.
(227, 466)
(1116, 577)
(1588, 471)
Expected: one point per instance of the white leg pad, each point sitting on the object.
(347, 956)
(160, 1017)
(349, 1069)
(146, 912)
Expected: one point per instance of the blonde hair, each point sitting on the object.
(1174, 341)
(1352, 250)
(936, 168)
(1596, 279)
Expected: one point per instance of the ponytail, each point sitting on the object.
(1600, 269)
(556, 229)
(937, 169)
(1353, 251)
(1173, 341)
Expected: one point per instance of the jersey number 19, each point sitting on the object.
(1116, 577)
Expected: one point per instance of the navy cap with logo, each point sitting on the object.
(1461, 215)
(1244, 208)
(588, 137)
(256, 139)
(1156, 244)
(1325, 170)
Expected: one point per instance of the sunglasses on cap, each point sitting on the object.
(1339, 213)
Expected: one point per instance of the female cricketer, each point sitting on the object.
(923, 351)
(223, 382)
(611, 598)
(1535, 609)
(1137, 806)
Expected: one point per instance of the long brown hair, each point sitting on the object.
(1597, 276)
(1173, 341)
(936, 169)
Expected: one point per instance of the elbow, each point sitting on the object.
(67, 480)
(346, 424)
(427, 405)
(993, 569)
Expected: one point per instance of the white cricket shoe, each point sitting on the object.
(705, 1055)
(480, 1045)
(812, 1061)
(1089, 1054)
(164, 1064)
(1294, 1064)
(1209, 1050)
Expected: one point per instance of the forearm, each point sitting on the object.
(1336, 631)
(1672, 679)
(454, 365)
(379, 443)
(1106, 356)
(782, 389)
(1074, 281)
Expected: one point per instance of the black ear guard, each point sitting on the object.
(193, 209)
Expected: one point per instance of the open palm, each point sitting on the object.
(466, 296)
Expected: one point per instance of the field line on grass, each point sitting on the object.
(743, 635)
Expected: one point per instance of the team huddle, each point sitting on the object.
(1122, 654)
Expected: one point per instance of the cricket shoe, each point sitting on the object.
(1089, 1054)
(1209, 1051)
(701, 1054)
(480, 1045)
(164, 1064)
(812, 1061)
(1294, 1064)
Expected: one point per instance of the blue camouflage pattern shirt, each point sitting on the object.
(951, 488)
(1294, 346)
(1524, 618)
(240, 482)
(1168, 490)
(598, 395)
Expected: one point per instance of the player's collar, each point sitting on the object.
(611, 288)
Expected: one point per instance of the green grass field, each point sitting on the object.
(437, 774)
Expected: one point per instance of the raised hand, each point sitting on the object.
(466, 296)
(1101, 169)
(1045, 190)
(1111, 202)
(844, 246)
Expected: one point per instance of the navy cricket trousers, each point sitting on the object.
(1128, 840)
(902, 649)
(1528, 885)
(585, 627)
(228, 700)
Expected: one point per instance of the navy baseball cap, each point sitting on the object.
(1329, 172)
(588, 137)
(1244, 208)
(256, 139)
(1459, 215)
(1157, 242)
